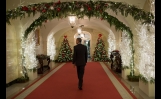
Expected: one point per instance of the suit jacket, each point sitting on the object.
(80, 55)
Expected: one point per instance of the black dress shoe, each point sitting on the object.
(80, 88)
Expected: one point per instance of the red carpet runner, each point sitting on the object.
(63, 84)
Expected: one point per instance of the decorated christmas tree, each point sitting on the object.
(65, 52)
(100, 53)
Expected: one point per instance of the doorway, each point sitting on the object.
(87, 43)
(86, 40)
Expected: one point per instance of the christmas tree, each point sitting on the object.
(65, 52)
(100, 53)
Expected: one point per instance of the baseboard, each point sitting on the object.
(11, 83)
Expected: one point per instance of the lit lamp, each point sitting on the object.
(72, 20)
(79, 30)
(82, 35)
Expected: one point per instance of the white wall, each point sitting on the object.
(39, 48)
(11, 54)
(13, 47)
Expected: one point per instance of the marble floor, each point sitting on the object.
(16, 88)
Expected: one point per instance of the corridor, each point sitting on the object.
(22, 90)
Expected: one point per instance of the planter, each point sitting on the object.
(22, 80)
(147, 88)
(124, 73)
(32, 74)
(133, 78)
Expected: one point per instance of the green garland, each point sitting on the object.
(145, 80)
(125, 67)
(104, 16)
(137, 14)
(74, 7)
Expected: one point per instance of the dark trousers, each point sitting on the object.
(80, 73)
(111, 63)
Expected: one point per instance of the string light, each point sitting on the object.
(126, 51)
(82, 9)
(145, 47)
(22, 58)
(29, 53)
(145, 52)
(51, 51)
(21, 3)
(112, 42)
(51, 7)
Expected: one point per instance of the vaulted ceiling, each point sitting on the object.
(56, 26)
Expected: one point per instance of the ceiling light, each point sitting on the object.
(72, 20)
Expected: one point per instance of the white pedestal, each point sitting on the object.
(148, 89)
(32, 75)
(125, 72)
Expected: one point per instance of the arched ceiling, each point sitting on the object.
(96, 24)
(56, 25)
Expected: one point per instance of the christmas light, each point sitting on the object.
(126, 50)
(145, 47)
(82, 9)
(21, 3)
(29, 53)
(65, 52)
(51, 7)
(51, 51)
(112, 43)
(145, 51)
(22, 58)
(152, 9)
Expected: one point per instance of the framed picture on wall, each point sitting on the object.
(37, 37)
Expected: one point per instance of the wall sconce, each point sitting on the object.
(72, 20)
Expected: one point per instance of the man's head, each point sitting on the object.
(78, 40)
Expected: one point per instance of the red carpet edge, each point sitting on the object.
(34, 82)
(121, 82)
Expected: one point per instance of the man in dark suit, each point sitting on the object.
(80, 60)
